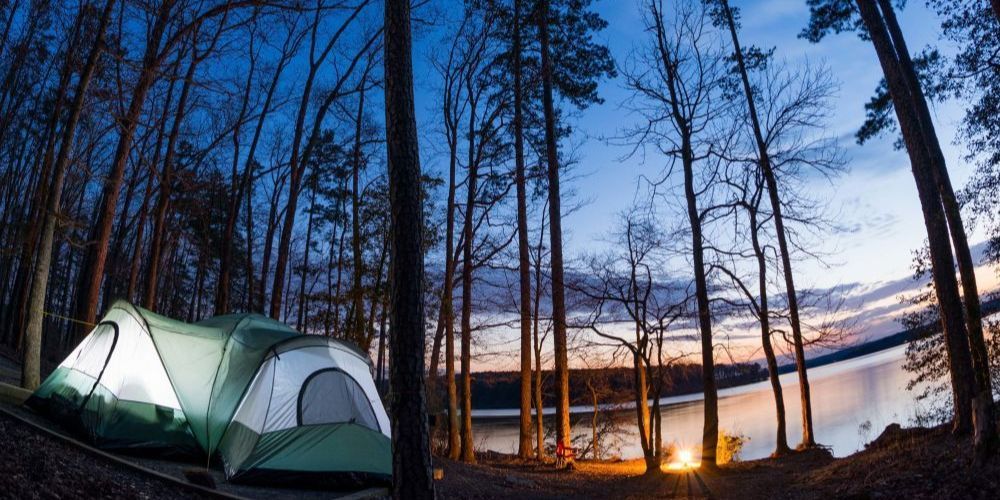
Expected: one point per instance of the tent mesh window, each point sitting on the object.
(331, 396)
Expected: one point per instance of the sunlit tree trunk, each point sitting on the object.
(448, 307)
(537, 347)
(763, 315)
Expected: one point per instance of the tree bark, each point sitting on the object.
(537, 341)
(555, 237)
(710, 431)
(411, 457)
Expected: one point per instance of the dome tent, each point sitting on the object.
(243, 387)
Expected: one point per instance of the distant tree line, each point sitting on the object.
(498, 390)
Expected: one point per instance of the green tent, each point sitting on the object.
(275, 405)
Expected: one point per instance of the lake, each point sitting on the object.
(853, 401)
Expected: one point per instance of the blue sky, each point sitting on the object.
(876, 197)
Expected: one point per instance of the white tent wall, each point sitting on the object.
(134, 372)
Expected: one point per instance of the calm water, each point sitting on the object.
(853, 401)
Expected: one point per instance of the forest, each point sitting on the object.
(418, 180)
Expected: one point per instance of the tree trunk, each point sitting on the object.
(523, 265)
(943, 264)
(411, 457)
(468, 445)
(764, 160)
(303, 309)
(31, 367)
(985, 435)
(92, 273)
(448, 311)
(555, 237)
(273, 217)
(299, 157)
(641, 394)
(162, 208)
(710, 431)
(235, 191)
(537, 341)
(594, 444)
(763, 312)
(357, 268)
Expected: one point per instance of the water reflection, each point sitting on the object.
(852, 402)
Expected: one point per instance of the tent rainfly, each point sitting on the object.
(275, 405)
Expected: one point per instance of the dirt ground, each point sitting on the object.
(33, 465)
(901, 463)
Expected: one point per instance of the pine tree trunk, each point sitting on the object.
(411, 456)
(943, 263)
(537, 341)
(986, 435)
(448, 308)
(468, 444)
(555, 237)
(523, 265)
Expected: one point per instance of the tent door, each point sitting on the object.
(331, 396)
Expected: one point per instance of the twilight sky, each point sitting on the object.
(876, 198)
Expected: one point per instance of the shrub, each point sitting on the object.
(730, 446)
